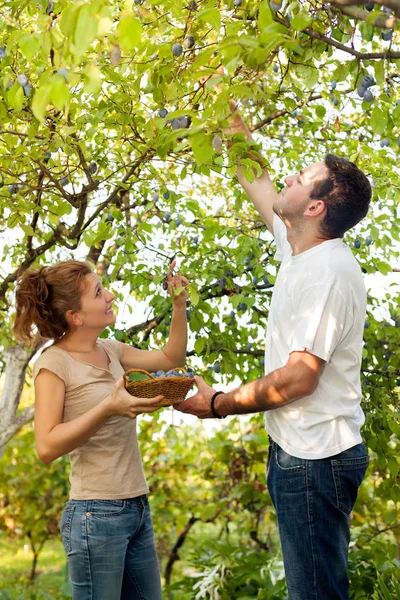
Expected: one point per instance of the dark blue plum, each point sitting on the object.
(189, 42)
(177, 49)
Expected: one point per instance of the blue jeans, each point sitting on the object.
(110, 549)
(313, 500)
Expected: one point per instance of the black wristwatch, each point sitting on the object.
(214, 412)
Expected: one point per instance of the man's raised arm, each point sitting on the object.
(261, 191)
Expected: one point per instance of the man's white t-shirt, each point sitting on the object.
(318, 305)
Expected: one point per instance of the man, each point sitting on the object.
(311, 389)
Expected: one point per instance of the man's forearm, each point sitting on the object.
(277, 389)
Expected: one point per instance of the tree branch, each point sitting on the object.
(355, 12)
(392, 4)
(323, 38)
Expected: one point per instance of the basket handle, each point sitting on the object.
(145, 372)
(136, 371)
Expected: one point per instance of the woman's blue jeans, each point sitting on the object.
(313, 500)
(110, 549)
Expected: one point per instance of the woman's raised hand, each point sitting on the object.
(177, 282)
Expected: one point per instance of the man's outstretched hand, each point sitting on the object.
(199, 404)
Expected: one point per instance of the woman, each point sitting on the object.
(82, 409)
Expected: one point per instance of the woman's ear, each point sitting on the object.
(73, 318)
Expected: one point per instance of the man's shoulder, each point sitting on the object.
(344, 264)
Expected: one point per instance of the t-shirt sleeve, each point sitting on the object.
(320, 322)
(280, 234)
(54, 362)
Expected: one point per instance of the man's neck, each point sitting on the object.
(301, 242)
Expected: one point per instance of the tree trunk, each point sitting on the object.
(174, 556)
(33, 568)
(16, 359)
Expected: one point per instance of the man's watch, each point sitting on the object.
(214, 412)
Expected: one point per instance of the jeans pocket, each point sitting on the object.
(65, 526)
(286, 463)
(107, 508)
(348, 474)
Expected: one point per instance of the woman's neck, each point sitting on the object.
(79, 341)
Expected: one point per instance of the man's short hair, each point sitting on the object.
(346, 192)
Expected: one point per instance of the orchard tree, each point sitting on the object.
(112, 150)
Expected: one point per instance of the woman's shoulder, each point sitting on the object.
(55, 353)
(111, 345)
(53, 359)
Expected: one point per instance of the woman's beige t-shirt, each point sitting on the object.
(109, 465)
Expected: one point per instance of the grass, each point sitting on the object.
(15, 567)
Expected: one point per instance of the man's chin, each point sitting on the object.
(278, 211)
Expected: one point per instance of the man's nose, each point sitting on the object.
(289, 180)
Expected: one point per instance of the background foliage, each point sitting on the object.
(90, 168)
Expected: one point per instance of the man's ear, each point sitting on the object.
(315, 208)
(73, 318)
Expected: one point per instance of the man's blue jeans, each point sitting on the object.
(313, 500)
(110, 549)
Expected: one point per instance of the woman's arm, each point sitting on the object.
(55, 438)
(173, 354)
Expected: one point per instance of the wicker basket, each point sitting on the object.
(174, 389)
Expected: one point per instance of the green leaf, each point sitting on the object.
(92, 81)
(301, 21)
(203, 58)
(29, 46)
(202, 148)
(308, 74)
(265, 17)
(40, 101)
(378, 120)
(130, 32)
(85, 29)
(211, 16)
(59, 91)
(379, 68)
(193, 295)
(15, 96)
(367, 31)
(27, 229)
(199, 345)
(383, 267)
(386, 593)
(393, 466)
(395, 495)
(68, 19)
(137, 376)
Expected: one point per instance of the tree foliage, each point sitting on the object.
(91, 166)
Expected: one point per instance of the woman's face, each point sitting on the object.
(96, 301)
